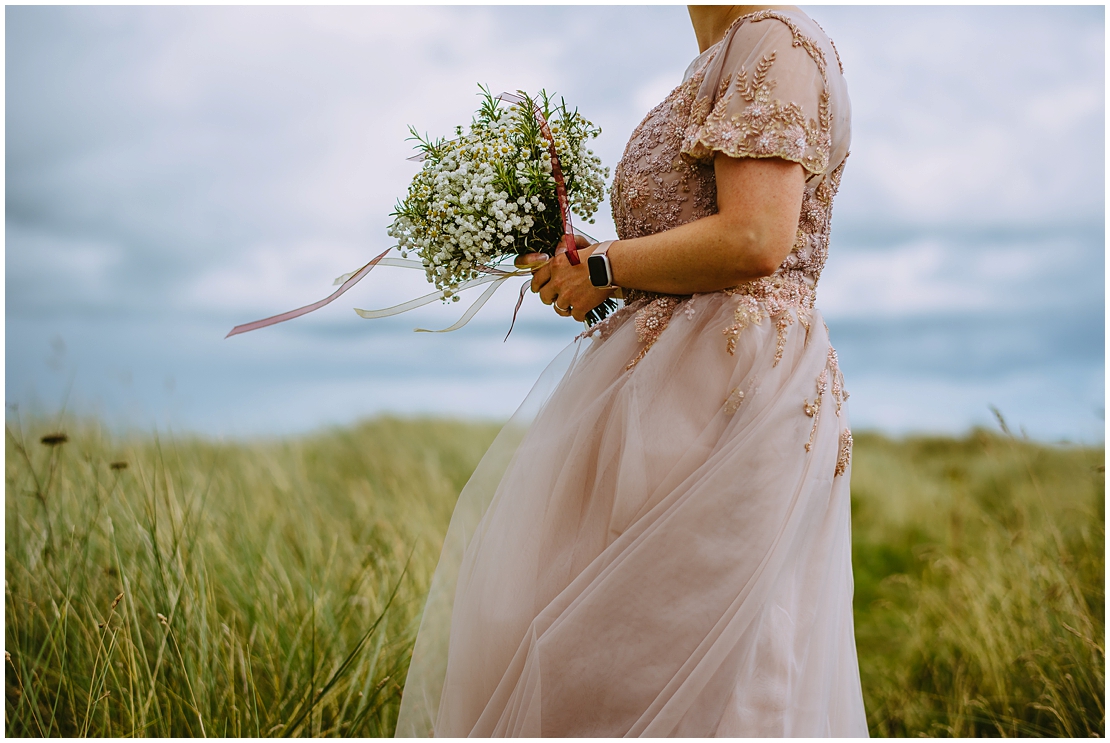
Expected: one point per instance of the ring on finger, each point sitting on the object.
(555, 303)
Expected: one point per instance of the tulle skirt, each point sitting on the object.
(658, 551)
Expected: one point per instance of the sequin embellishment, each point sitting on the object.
(831, 370)
(844, 453)
(765, 127)
(735, 398)
(651, 321)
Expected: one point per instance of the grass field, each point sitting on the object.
(173, 586)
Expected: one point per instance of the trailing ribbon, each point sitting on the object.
(494, 276)
(353, 278)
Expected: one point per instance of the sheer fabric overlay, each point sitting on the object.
(658, 542)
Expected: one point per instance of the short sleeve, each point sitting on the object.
(764, 94)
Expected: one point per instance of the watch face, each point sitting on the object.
(599, 272)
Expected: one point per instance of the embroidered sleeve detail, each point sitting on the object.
(742, 117)
(764, 126)
(839, 64)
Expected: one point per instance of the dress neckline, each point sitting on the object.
(740, 20)
(705, 57)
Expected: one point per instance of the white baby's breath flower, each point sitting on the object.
(489, 194)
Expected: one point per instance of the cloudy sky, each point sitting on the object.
(175, 171)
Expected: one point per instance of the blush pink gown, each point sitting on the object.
(658, 543)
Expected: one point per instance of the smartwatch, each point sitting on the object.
(601, 272)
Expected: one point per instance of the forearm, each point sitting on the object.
(705, 255)
(758, 206)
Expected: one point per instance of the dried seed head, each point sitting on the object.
(116, 602)
(54, 439)
(163, 620)
(7, 656)
(102, 625)
(120, 465)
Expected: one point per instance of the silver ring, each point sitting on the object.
(555, 303)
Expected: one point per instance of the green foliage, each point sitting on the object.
(459, 210)
(979, 586)
(264, 590)
(249, 573)
(491, 194)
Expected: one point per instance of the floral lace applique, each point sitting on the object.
(651, 321)
(690, 309)
(653, 188)
(666, 179)
(772, 296)
(813, 409)
(765, 127)
(735, 398)
(811, 241)
(839, 393)
(844, 453)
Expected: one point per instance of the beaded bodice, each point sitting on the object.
(765, 90)
(654, 188)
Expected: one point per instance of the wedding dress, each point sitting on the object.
(658, 542)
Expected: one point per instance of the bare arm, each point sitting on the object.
(758, 201)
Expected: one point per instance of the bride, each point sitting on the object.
(658, 543)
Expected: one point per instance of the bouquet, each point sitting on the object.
(503, 188)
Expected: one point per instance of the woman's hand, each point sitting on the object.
(562, 285)
(758, 204)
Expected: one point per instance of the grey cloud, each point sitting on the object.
(172, 169)
(980, 115)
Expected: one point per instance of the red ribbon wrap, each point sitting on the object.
(567, 245)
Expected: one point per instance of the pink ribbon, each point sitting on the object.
(519, 301)
(308, 308)
(566, 244)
